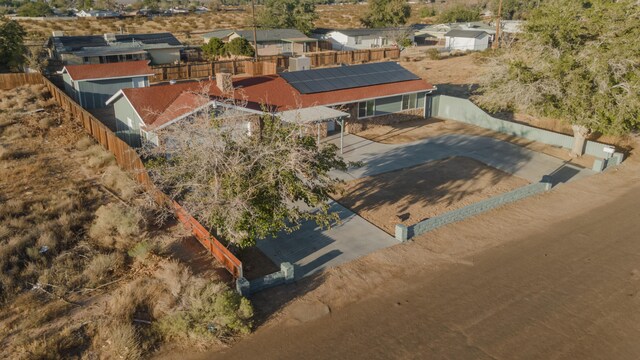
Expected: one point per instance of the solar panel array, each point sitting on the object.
(347, 77)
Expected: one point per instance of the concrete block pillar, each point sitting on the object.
(402, 232)
(598, 165)
(243, 287)
(617, 158)
(287, 271)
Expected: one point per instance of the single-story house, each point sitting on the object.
(271, 41)
(368, 94)
(466, 40)
(98, 14)
(357, 39)
(438, 31)
(92, 85)
(159, 48)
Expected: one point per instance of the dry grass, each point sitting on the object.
(64, 243)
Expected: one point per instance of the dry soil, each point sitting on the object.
(411, 195)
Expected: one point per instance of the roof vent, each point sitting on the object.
(110, 37)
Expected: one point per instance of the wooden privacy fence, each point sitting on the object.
(13, 80)
(128, 159)
(268, 65)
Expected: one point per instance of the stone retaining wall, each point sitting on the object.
(403, 232)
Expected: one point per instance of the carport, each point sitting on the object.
(315, 115)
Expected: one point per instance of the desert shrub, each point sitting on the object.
(97, 157)
(118, 181)
(208, 311)
(114, 224)
(118, 340)
(84, 143)
(46, 122)
(53, 345)
(103, 267)
(138, 296)
(140, 251)
(434, 54)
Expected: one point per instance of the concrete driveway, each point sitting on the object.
(379, 158)
(312, 249)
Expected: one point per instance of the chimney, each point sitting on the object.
(224, 82)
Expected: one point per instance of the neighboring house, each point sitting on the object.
(374, 93)
(357, 39)
(270, 42)
(466, 40)
(97, 14)
(159, 48)
(92, 85)
(438, 31)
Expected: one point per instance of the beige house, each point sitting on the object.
(270, 42)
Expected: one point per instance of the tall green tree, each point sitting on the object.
(288, 14)
(459, 13)
(383, 13)
(239, 47)
(12, 49)
(38, 8)
(514, 9)
(214, 49)
(577, 61)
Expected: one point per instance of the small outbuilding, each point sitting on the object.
(466, 40)
(92, 85)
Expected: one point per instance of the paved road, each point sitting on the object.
(312, 249)
(570, 291)
(380, 158)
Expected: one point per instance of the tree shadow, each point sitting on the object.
(458, 90)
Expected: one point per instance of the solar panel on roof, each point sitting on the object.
(347, 77)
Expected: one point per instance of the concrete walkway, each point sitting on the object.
(379, 158)
(312, 249)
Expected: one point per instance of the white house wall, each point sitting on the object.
(466, 44)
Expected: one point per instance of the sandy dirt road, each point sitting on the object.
(554, 276)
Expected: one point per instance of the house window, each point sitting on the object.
(358, 40)
(409, 101)
(366, 108)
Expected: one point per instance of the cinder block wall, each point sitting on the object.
(463, 110)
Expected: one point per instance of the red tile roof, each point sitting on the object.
(110, 70)
(160, 104)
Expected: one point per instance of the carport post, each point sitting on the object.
(341, 135)
(318, 130)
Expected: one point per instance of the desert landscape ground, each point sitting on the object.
(555, 275)
(85, 265)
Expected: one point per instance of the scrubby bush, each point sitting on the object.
(434, 54)
(114, 225)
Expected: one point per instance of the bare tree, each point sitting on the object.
(245, 186)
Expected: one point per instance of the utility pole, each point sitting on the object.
(255, 31)
(496, 41)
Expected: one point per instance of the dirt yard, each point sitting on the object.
(414, 130)
(411, 195)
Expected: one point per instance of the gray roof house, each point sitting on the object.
(92, 85)
(356, 39)
(159, 48)
(270, 41)
(466, 40)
